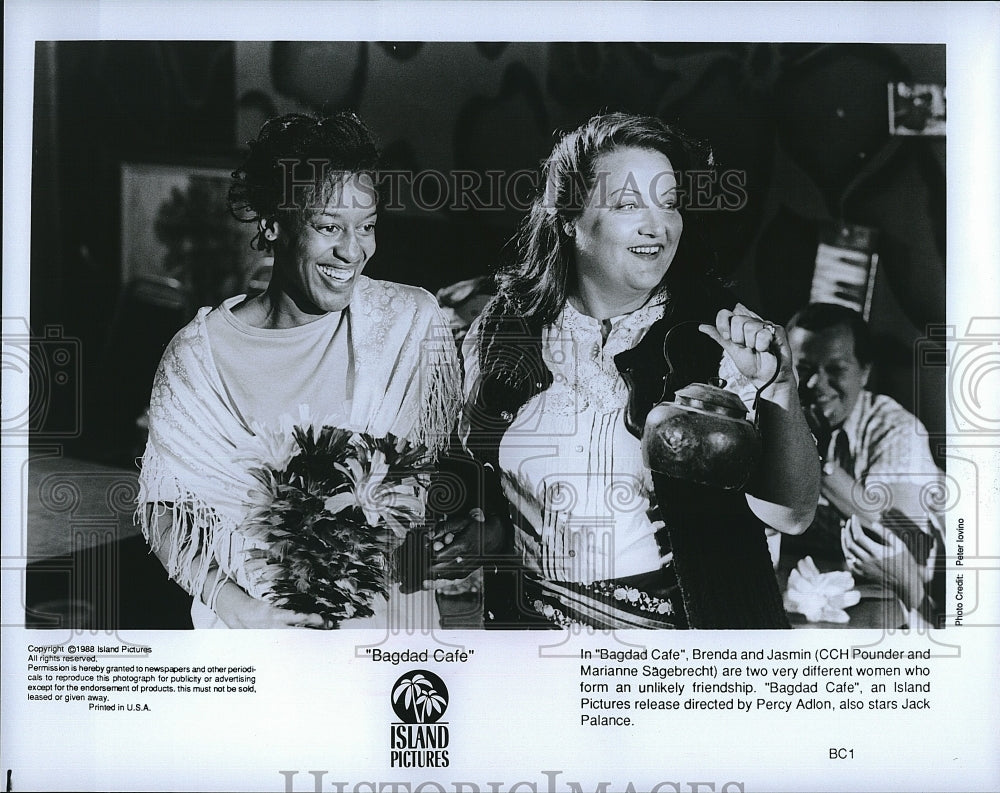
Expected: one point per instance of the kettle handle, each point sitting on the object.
(717, 380)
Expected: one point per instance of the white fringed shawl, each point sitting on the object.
(195, 469)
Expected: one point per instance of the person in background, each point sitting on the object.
(561, 369)
(875, 517)
(322, 340)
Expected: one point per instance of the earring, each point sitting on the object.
(569, 229)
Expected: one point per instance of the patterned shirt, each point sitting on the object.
(889, 444)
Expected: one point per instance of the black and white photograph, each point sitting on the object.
(464, 349)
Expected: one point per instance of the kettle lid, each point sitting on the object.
(711, 398)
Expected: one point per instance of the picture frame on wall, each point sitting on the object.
(177, 230)
(917, 109)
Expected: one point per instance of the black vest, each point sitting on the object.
(719, 547)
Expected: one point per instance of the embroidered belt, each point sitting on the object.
(650, 600)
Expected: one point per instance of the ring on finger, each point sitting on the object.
(769, 326)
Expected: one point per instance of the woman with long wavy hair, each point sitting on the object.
(562, 368)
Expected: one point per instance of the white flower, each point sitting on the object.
(398, 504)
(269, 446)
(820, 597)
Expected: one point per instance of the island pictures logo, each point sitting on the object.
(419, 739)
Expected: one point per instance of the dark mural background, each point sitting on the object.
(807, 123)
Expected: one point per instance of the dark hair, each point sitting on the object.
(535, 285)
(293, 165)
(822, 316)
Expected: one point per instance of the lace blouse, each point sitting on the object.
(570, 468)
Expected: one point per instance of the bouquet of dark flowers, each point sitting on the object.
(329, 510)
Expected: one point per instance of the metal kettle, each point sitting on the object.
(704, 435)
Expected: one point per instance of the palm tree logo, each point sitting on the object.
(419, 697)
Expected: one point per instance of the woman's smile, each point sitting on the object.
(335, 273)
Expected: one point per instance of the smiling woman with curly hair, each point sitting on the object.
(322, 341)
